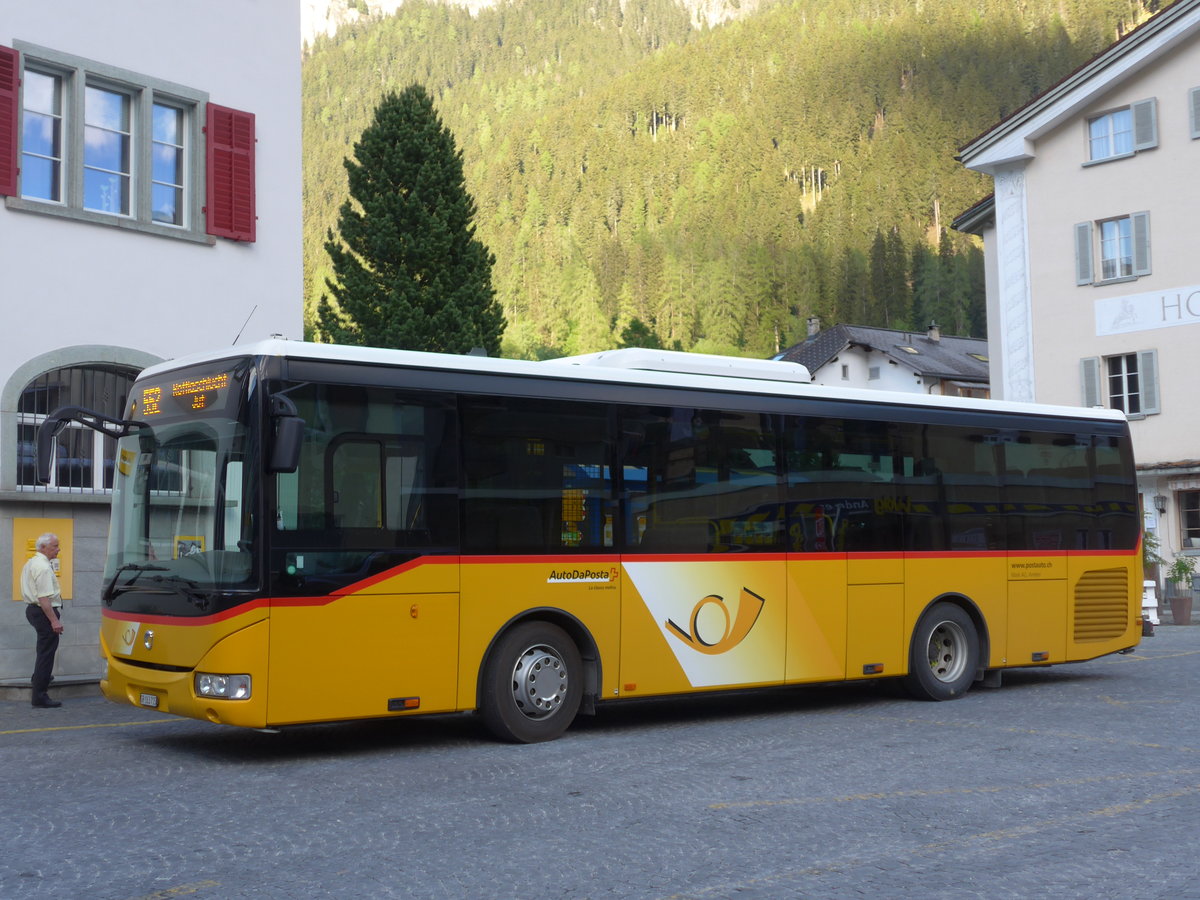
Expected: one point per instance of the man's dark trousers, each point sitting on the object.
(47, 646)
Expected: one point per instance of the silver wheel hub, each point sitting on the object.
(539, 682)
(947, 651)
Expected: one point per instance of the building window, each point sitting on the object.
(83, 458)
(1124, 384)
(113, 147)
(107, 160)
(1116, 249)
(1111, 134)
(41, 141)
(1123, 132)
(1194, 111)
(167, 172)
(1127, 381)
(1189, 517)
(1121, 244)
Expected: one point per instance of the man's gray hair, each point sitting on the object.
(43, 540)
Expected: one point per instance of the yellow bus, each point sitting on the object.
(309, 533)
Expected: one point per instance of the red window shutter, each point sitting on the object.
(229, 158)
(10, 81)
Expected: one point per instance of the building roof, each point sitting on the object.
(959, 358)
(1009, 139)
(977, 218)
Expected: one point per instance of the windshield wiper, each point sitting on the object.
(191, 590)
(139, 568)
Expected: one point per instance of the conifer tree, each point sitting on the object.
(638, 334)
(409, 272)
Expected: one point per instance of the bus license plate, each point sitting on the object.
(150, 700)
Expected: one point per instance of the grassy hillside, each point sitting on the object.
(717, 185)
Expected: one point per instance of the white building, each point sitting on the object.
(886, 359)
(1093, 284)
(150, 175)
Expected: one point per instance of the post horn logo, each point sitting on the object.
(706, 634)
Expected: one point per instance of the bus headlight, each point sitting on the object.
(224, 687)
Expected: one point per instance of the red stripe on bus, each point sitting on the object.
(391, 573)
(190, 621)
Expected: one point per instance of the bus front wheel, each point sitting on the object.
(944, 655)
(532, 684)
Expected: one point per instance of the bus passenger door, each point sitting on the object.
(1044, 474)
(363, 558)
(845, 522)
(704, 592)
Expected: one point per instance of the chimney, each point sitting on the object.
(934, 333)
(814, 326)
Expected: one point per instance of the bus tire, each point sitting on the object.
(532, 684)
(944, 654)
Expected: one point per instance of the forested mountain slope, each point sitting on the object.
(717, 184)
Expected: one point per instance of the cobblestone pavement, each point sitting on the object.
(1072, 782)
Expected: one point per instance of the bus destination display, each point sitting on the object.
(190, 395)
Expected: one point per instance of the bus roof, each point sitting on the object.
(659, 368)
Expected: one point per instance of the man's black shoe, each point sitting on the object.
(45, 702)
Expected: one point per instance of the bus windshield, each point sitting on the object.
(182, 538)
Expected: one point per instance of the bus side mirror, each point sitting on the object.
(288, 437)
(46, 436)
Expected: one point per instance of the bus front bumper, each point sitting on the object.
(227, 686)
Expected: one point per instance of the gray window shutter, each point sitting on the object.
(1141, 243)
(1083, 253)
(1148, 369)
(1194, 105)
(1089, 375)
(1145, 124)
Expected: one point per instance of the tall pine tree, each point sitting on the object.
(409, 271)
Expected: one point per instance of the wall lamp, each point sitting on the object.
(1160, 503)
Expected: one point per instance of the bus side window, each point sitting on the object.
(1115, 523)
(376, 484)
(537, 475)
(701, 480)
(1048, 490)
(951, 495)
(842, 485)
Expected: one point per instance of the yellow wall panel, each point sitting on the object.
(25, 532)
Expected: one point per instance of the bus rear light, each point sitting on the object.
(224, 687)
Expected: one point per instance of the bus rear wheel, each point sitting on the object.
(944, 655)
(532, 684)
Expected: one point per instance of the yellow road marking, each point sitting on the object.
(1027, 829)
(996, 789)
(1138, 657)
(81, 727)
(179, 890)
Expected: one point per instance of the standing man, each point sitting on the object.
(43, 609)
